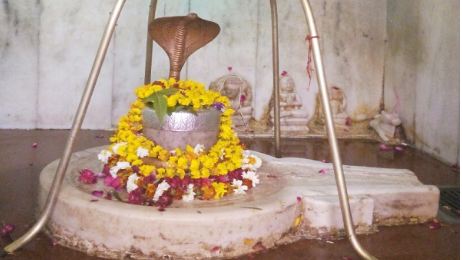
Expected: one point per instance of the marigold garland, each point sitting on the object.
(187, 173)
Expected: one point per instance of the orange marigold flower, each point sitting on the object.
(150, 190)
(247, 183)
(209, 192)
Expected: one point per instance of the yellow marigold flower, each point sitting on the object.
(137, 162)
(172, 160)
(178, 152)
(228, 112)
(222, 169)
(205, 173)
(182, 163)
(131, 157)
(146, 170)
(163, 155)
(171, 101)
(194, 164)
(195, 174)
(170, 172)
(181, 173)
(160, 173)
(220, 189)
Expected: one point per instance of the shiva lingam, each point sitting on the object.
(181, 36)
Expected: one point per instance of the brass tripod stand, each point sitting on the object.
(94, 73)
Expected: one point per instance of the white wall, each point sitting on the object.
(422, 79)
(47, 49)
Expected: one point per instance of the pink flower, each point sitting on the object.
(242, 99)
(349, 122)
(399, 148)
(434, 224)
(324, 161)
(7, 229)
(259, 246)
(383, 147)
(87, 177)
(299, 199)
(112, 182)
(284, 73)
(34, 145)
(215, 249)
(135, 197)
(322, 171)
(230, 68)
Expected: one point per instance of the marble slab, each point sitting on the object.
(293, 201)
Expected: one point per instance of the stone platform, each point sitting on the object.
(293, 201)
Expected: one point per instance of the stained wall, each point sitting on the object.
(372, 49)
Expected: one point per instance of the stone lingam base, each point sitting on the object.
(296, 199)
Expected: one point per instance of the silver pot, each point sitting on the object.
(182, 128)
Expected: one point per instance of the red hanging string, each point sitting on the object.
(309, 70)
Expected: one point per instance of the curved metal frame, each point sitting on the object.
(94, 73)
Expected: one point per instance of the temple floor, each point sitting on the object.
(21, 164)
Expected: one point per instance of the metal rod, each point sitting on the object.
(80, 115)
(337, 162)
(149, 43)
(276, 107)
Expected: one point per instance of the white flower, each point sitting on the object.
(142, 152)
(131, 182)
(189, 194)
(222, 151)
(199, 148)
(160, 190)
(250, 161)
(120, 165)
(238, 187)
(104, 155)
(116, 146)
(251, 175)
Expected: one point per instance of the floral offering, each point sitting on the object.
(153, 175)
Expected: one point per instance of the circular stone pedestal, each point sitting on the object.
(293, 200)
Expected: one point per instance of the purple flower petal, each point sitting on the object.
(399, 148)
(322, 171)
(34, 145)
(455, 168)
(230, 68)
(7, 229)
(97, 193)
(299, 199)
(324, 161)
(218, 105)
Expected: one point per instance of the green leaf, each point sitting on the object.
(159, 101)
(165, 92)
(117, 196)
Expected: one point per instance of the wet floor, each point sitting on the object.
(21, 164)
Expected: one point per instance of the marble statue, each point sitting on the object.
(385, 124)
(239, 93)
(338, 103)
(292, 115)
